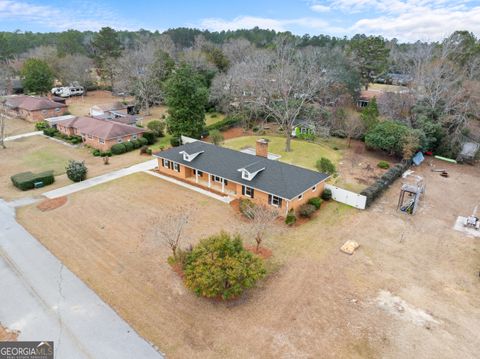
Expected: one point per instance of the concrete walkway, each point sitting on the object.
(224, 199)
(28, 134)
(43, 300)
(90, 182)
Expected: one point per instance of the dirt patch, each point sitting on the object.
(51, 204)
(236, 132)
(262, 252)
(7, 335)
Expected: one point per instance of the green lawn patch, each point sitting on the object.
(46, 159)
(304, 154)
(214, 117)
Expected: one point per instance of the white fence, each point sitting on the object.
(351, 198)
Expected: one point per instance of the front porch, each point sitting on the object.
(211, 182)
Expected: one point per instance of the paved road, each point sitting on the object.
(75, 187)
(28, 134)
(42, 299)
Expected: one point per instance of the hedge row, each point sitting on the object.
(384, 182)
(26, 180)
(119, 148)
(225, 124)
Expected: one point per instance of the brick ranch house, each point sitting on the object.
(34, 108)
(242, 175)
(99, 133)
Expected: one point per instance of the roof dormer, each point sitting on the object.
(249, 172)
(189, 157)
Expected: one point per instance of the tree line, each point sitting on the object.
(265, 75)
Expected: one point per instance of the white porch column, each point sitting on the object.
(196, 176)
(286, 209)
(209, 180)
(223, 185)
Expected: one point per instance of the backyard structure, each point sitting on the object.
(118, 112)
(242, 175)
(35, 108)
(413, 186)
(99, 133)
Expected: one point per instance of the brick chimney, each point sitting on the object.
(262, 148)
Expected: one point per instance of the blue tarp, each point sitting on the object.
(418, 158)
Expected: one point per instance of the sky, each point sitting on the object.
(406, 20)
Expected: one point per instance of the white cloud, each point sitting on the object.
(248, 22)
(319, 8)
(79, 15)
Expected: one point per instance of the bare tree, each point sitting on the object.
(262, 221)
(396, 106)
(353, 127)
(3, 121)
(75, 68)
(169, 229)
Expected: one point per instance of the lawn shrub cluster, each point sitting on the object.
(233, 270)
(96, 152)
(326, 166)
(119, 148)
(225, 124)
(150, 137)
(326, 194)
(41, 125)
(384, 181)
(316, 202)
(53, 132)
(27, 180)
(76, 170)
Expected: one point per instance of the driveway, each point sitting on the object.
(43, 300)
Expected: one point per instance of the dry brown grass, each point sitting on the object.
(80, 106)
(17, 126)
(316, 302)
(38, 153)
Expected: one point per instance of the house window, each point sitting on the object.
(119, 140)
(57, 110)
(166, 163)
(217, 179)
(314, 188)
(300, 197)
(198, 173)
(176, 167)
(134, 137)
(101, 140)
(247, 191)
(274, 200)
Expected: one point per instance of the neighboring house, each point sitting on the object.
(303, 127)
(99, 133)
(118, 112)
(242, 175)
(35, 108)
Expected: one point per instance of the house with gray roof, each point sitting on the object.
(242, 175)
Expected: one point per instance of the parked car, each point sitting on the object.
(56, 91)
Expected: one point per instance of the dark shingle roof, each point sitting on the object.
(280, 179)
(32, 103)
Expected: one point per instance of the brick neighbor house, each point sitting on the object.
(35, 108)
(242, 175)
(99, 133)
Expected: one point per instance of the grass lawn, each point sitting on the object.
(17, 126)
(213, 117)
(161, 142)
(304, 154)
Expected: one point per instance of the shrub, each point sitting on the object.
(149, 151)
(213, 115)
(326, 166)
(306, 210)
(245, 206)
(327, 194)
(118, 149)
(143, 141)
(129, 146)
(41, 125)
(383, 164)
(96, 152)
(50, 131)
(316, 202)
(150, 137)
(106, 153)
(136, 143)
(27, 180)
(175, 141)
(157, 127)
(216, 137)
(76, 170)
(143, 149)
(75, 140)
(291, 218)
(232, 270)
(225, 124)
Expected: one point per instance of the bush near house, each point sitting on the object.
(149, 137)
(50, 131)
(27, 180)
(175, 141)
(41, 125)
(128, 146)
(316, 202)
(143, 141)
(216, 137)
(76, 170)
(118, 149)
(291, 218)
(245, 207)
(157, 127)
(219, 266)
(306, 210)
(327, 194)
